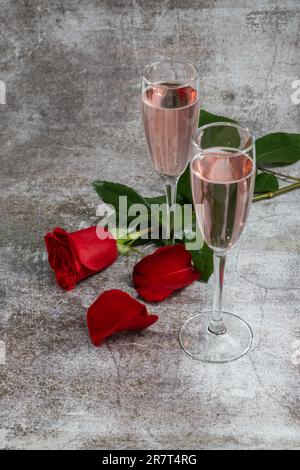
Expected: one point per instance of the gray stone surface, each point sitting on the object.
(72, 114)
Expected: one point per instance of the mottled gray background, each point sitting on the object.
(72, 70)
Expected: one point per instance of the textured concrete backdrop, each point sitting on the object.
(72, 70)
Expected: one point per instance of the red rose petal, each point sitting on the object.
(169, 268)
(114, 311)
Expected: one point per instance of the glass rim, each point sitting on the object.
(169, 61)
(196, 157)
(236, 125)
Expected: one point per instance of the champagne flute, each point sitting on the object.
(170, 113)
(222, 176)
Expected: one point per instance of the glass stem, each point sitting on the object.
(217, 325)
(171, 191)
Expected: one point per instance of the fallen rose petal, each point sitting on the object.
(169, 268)
(114, 311)
(77, 255)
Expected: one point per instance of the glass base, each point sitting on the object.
(197, 341)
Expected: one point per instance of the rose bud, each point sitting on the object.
(77, 255)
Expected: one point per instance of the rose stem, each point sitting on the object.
(272, 194)
(288, 177)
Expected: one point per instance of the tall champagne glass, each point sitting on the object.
(222, 176)
(170, 112)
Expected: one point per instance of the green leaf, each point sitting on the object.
(218, 136)
(265, 182)
(162, 199)
(156, 200)
(109, 192)
(203, 261)
(278, 148)
(209, 118)
(221, 136)
(184, 190)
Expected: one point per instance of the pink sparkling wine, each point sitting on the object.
(222, 182)
(170, 115)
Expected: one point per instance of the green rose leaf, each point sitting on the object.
(209, 118)
(222, 136)
(278, 148)
(110, 192)
(162, 199)
(156, 200)
(203, 261)
(184, 190)
(265, 182)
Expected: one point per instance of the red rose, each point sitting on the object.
(115, 311)
(75, 256)
(156, 276)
